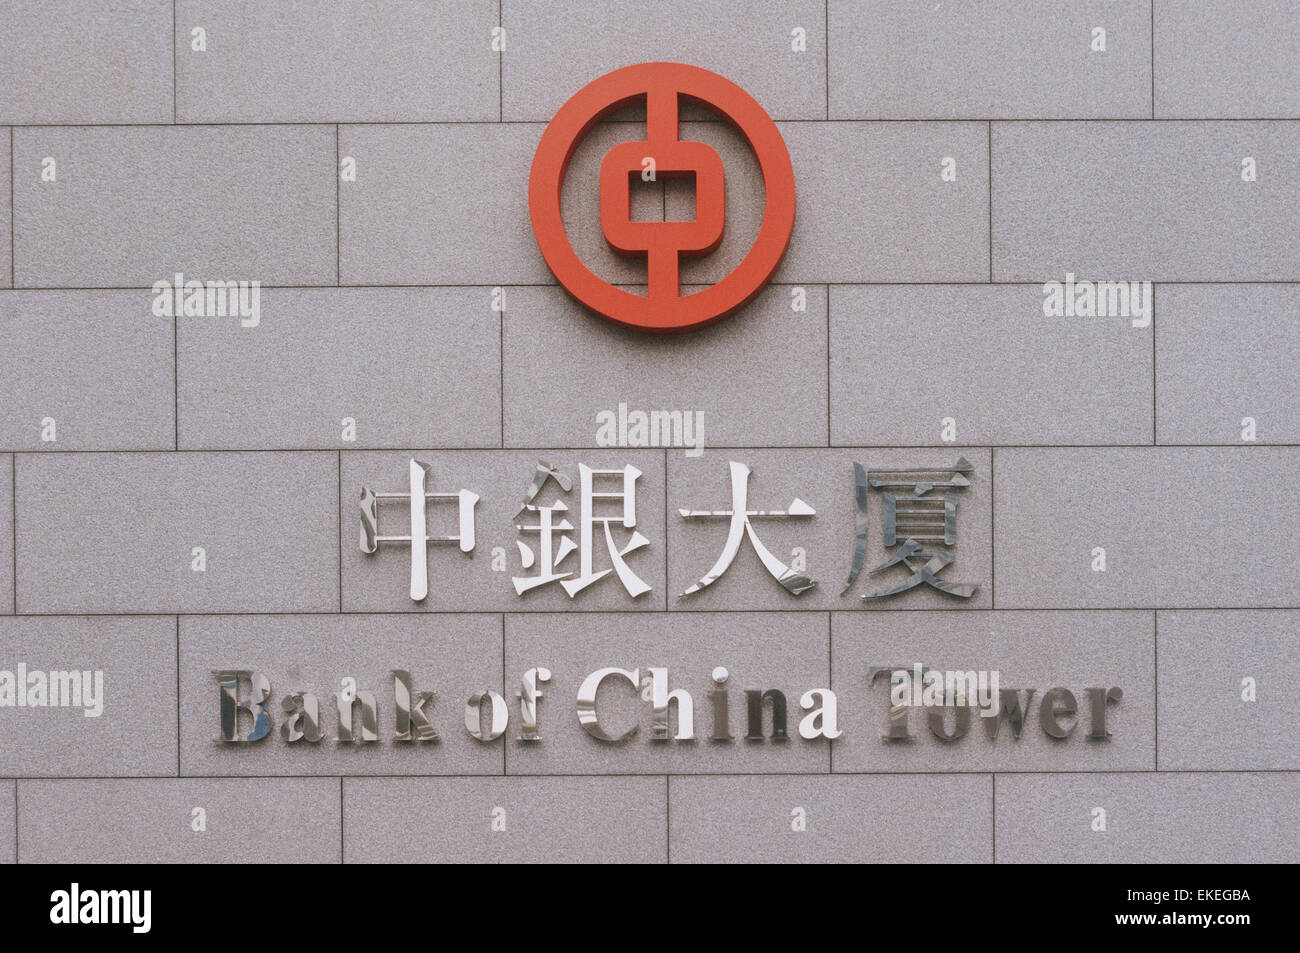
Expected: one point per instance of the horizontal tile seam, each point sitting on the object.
(793, 610)
(1257, 446)
(453, 286)
(1254, 447)
(700, 120)
(820, 775)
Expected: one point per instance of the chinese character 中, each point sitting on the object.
(417, 498)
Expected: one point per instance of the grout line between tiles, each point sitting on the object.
(338, 211)
(668, 818)
(993, 528)
(178, 696)
(1152, 59)
(13, 248)
(989, 133)
(1155, 430)
(13, 500)
(1155, 694)
(994, 825)
(175, 105)
(826, 40)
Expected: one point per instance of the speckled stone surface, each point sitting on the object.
(180, 495)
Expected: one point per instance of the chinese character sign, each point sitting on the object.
(577, 532)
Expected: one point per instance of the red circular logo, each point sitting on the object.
(662, 86)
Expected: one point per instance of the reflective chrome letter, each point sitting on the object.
(529, 694)
(302, 718)
(660, 696)
(347, 700)
(587, 716)
(259, 690)
(498, 719)
(412, 720)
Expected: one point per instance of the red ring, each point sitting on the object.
(612, 92)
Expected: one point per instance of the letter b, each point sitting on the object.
(259, 690)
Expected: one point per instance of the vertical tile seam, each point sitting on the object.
(988, 132)
(667, 583)
(13, 502)
(1151, 58)
(1155, 678)
(178, 696)
(993, 528)
(667, 818)
(13, 269)
(175, 111)
(826, 60)
(994, 825)
(338, 454)
(501, 370)
(338, 214)
(505, 740)
(15, 821)
(341, 841)
(501, 62)
(828, 364)
(1155, 431)
(176, 382)
(830, 683)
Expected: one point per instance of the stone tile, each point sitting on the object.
(134, 732)
(1205, 658)
(1029, 650)
(760, 651)
(294, 820)
(824, 480)
(905, 358)
(757, 378)
(408, 365)
(63, 63)
(117, 396)
(546, 820)
(900, 221)
(1223, 355)
(1224, 59)
(439, 205)
(392, 61)
(107, 532)
(1182, 527)
(555, 49)
(471, 582)
(453, 655)
(1176, 818)
(747, 820)
(133, 206)
(1112, 201)
(999, 60)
